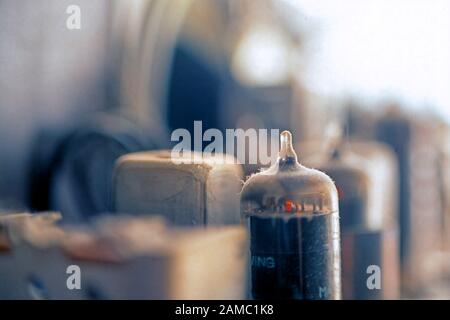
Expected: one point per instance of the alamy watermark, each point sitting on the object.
(374, 280)
(250, 146)
(73, 21)
(73, 281)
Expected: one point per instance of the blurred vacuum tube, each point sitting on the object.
(293, 218)
(364, 174)
(415, 140)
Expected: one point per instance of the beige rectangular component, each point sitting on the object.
(13, 273)
(130, 258)
(185, 194)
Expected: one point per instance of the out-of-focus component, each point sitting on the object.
(203, 193)
(360, 120)
(445, 181)
(260, 88)
(415, 141)
(445, 195)
(120, 59)
(293, 216)
(365, 176)
(146, 33)
(254, 61)
(131, 258)
(76, 178)
(382, 166)
(13, 278)
(50, 75)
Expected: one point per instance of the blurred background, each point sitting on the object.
(73, 101)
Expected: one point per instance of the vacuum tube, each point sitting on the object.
(364, 174)
(292, 213)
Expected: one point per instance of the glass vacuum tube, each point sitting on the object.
(292, 213)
